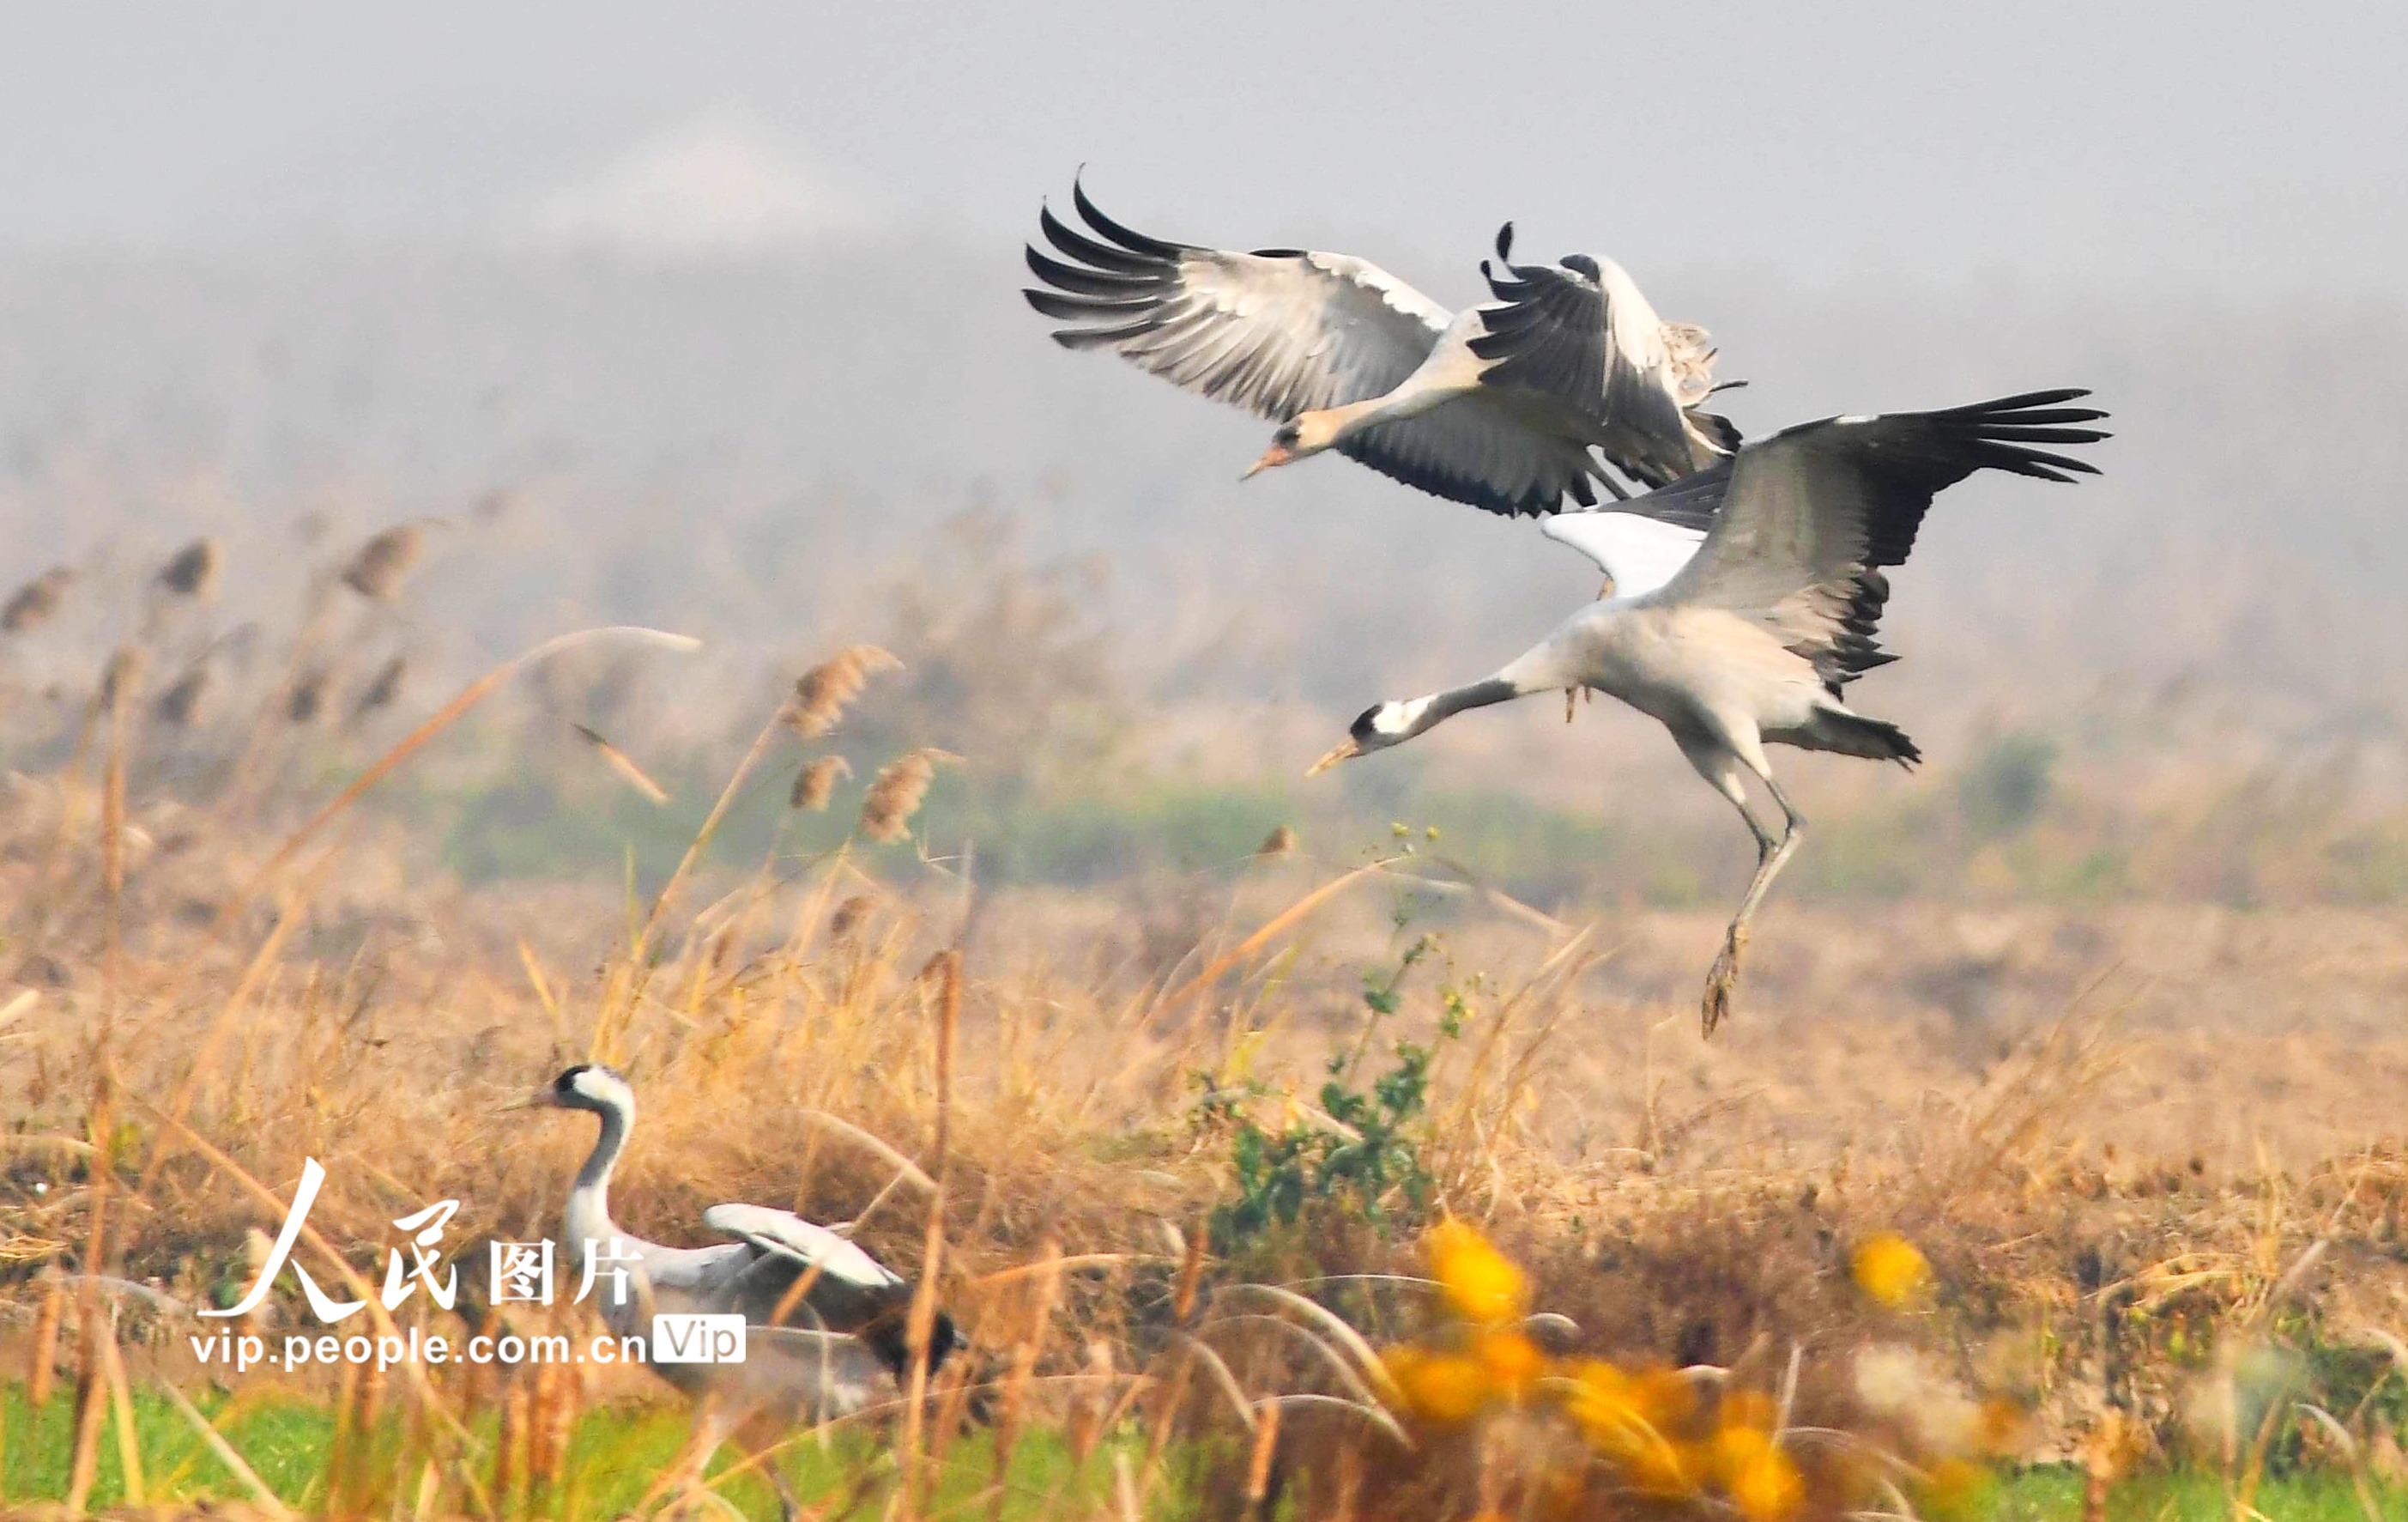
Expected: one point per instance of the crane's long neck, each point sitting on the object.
(588, 1220)
(1542, 667)
(1409, 400)
(1417, 715)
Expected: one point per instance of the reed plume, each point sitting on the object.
(384, 562)
(309, 695)
(382, 688)
(815, 783)
(193, 570)
(37, 601)
(122, 673)
(849, 914)
(896, 792)
(180, 704)
(824, 691)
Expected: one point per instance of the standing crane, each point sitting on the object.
(826, 1323)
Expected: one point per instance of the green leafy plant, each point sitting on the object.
(1362, 1154)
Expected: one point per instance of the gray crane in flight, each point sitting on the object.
(1498, 406)
(1754, 638)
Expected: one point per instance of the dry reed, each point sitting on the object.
(380, 565)
(815, 784)
(822, 692)
(623, 764)
(37, 601)
(1027, 1114)
(306, 698)
(191, 571)
(180, 705)
(384, 688)
(122, 675)
(897, 793)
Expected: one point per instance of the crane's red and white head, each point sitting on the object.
(1376, 728)
(589, 1085)
(1302, 436)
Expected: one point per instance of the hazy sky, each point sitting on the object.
(2198, 209)
(2203, 145)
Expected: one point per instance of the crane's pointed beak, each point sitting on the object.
(1345, 750)
(540, 1099)
(1276, 455)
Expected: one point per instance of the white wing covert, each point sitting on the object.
(787, 1235)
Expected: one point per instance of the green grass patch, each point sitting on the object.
(2054, 1494)
(614, 1455)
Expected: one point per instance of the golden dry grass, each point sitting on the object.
(2140, 1146)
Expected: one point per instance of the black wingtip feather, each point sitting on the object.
(1087, 282)
(1902, 461)
(1101, 255)
(2023, 401)
(1067, 308)
(1135, 242)
(2046, 434)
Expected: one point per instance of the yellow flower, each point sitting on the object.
(1759, 1478)
(1889, 1269)
(1599, 1399)
(1511, 1362)
(1667, 1470)
(1444, 1388)
(1634, 1421)
(1481, 1283)
(1746, 1409)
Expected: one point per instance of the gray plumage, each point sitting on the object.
(1500, 406)
(1755, 638)
(826, 1323)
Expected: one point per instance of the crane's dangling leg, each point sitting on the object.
(1723, 977)
(1721, 765)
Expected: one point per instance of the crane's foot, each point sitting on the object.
(1722, 979)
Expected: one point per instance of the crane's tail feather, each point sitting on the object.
(1845, 733)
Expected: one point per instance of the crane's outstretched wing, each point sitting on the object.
(785, 1233)
(1284, 331)
(1810, 515)
(1277, 331)
(1581, 336)
(844, 1288)
(1639, 553)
